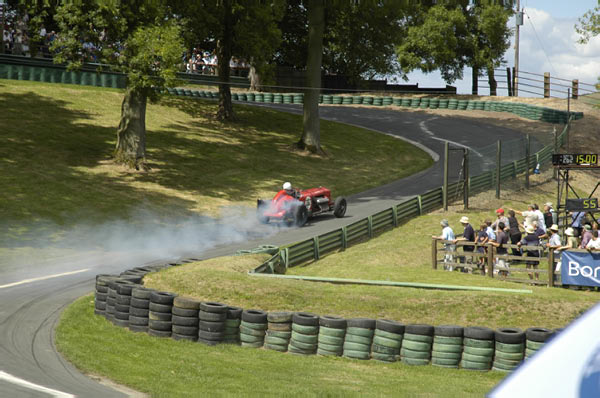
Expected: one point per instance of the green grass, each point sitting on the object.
(168, 368)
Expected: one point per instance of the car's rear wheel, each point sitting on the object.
(300, 215)
(339, 207)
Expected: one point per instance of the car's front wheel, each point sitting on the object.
(339, 207)
(300, 215)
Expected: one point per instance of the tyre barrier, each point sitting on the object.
(125, 302)
(279, 331)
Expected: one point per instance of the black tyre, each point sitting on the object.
(448, 331)
(141, 293)
(300, 215)
(212, 316)
(280, 317)
(154, 307)
(479, 333)
(184, 312)
(164, 298)
(101, 296)
(423, 330)
(185, 330)
(125, 288)
(140, 303)
(332, 322)
(121, 322)
(184, 321)
(186, 302)
(363, 323)
(234, 312)
(216, 308)
(100, 305)
(339, 207)
(540, 335)
(510, 335)
(159, 325)
(305, 319)
(122, 316)
(176, 336)
(141, 312)
(208, 342)
(211, 326)
(101, 288)
(121, 308)
(390, 326)
(160, 316)
(211, 336)
(254, 316)
(123, 300)
(138, 329)
(159, 333)
(138, 321)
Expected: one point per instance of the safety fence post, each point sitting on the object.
(434, 253)
(316, 247)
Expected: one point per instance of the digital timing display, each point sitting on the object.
(576, 160)
(587, 204)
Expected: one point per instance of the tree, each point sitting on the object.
(589, 25)
(134, 37)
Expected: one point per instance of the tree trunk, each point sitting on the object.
(311, 135)
(131, 135)
(492, 81)
(254, 79)
(475, 77)
(224, 45)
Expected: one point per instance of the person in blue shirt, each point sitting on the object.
(447, 235)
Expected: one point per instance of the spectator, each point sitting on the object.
(7, 40)
(586, 237)
(447, 235)
(533, 214)
(489, 230)
(539, 232)
(550, 217)
(531, 240)
(555, 243)
(577, 222)
(481, 240)
(514, 231)
(572, 241)
(501, 240)
(594, 243)
(501, 219)
(468, 235)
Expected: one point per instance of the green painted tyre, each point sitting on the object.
(446, 355)
(487, 352)
(367, 100)
(356, 347)
(327, 353)
(414, 354)
(283, 335)
(245, 338)
(352, 338)
(384, 341)
(445, 366)
(445, 362)
(503, 366)
(324, 339)
(478, 343)
(305, 329)
(507, 362)
(534, 345)
(415, 361)
(232, 323)
(381, 349)
(388, 335)
(416, 345)
(277, 98)
(512, 356)
(268, 97)
(453, 348)
(303, 346)
(475, 365)
(295, 350)
(418, 337)
(383, 357)
(529, 352)
(387, 101)
(332, 332)
(251, 332)
(448, 340)
(356, 354)
(477, 358)
(500, 370)
(276, 340)
(252, 345)
(305, 338)
(378, 101)
(259, 97)
(504, 347)
(360, 332)
(327, 99)
(276, 347)
(331, 347)
(255, 326)
(227, 340)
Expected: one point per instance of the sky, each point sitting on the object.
(548, 43)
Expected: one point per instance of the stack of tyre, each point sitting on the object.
(279, 331)
(111, 300)
(447, 346)
(160, 315)
(232, 325)
(416, 345)
(510, 349)
(359, 338)
(535, 339)
(305, 333)
(101, 293)
(122, 300)
(478, 348)
(387, 340)
(253, 328)
(211, 327)
(332, 330)
(139, 309)
(185, 318)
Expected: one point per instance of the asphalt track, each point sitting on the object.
(32, 299)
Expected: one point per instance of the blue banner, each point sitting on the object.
(580, 269)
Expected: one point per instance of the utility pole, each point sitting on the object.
(518, 22)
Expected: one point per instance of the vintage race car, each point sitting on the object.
(297, 208)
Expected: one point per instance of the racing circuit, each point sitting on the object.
(31, 304)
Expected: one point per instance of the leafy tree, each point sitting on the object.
(136, 37)
(589, 25)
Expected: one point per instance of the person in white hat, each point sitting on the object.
(531, 241)
(468, 235)
(447, 235)
(572, 241)
(554, 243)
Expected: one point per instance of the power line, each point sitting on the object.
(539, 41)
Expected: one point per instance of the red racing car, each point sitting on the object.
(295, 207)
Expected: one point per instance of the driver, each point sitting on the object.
(287, 187)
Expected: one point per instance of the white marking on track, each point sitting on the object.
(41, 278)
(426, 130)
(24, 383)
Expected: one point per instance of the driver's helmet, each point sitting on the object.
(287, 187)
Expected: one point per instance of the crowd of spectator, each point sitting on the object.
(538, 230)
(16, 39)
(205, 62)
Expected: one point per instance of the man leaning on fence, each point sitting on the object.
(468, 235)
(449, 248)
